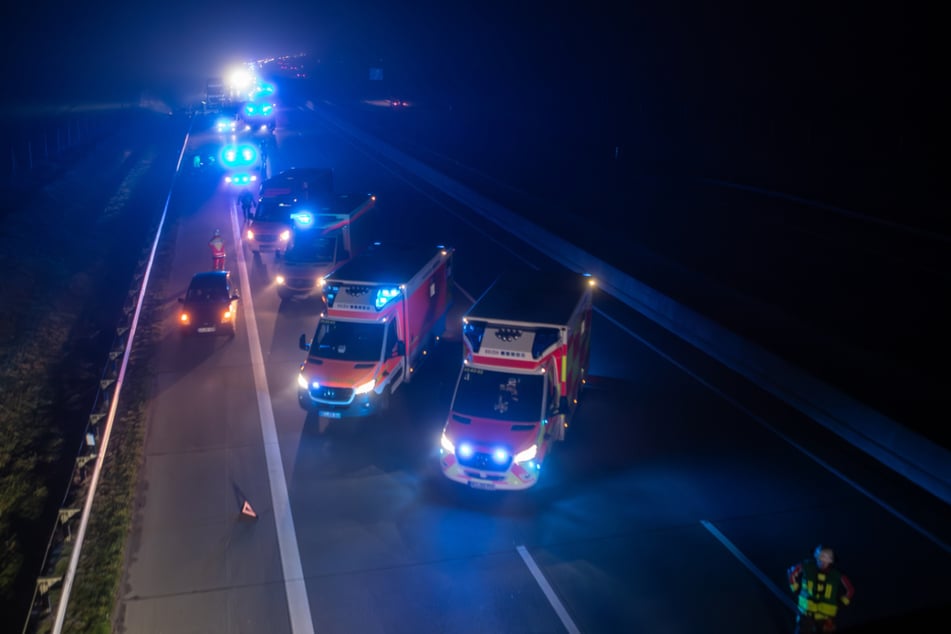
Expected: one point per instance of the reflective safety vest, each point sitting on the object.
(820, 591)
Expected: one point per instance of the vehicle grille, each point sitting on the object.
(483, 462)
(335, 395)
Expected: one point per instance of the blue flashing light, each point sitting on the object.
(330, 294)
(500, 456)
(303, 219)
(384, 295)
(239, 155)
(253, 109)
(241, 179)
(264, 89)
(465, 450)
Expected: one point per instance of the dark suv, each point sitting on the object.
(210, 304)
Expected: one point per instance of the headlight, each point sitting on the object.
(528, 454)
(366, 387)
(301, 382)
(183, 318)
(280, 280)
(250, 235)
(285, 235)
(447, 444)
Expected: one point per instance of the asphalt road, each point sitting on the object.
(832, 276)
(677, 502)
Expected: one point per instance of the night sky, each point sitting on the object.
(860, 75)
(61, 48)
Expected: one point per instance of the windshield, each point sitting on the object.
(348, 341)
(208, 289)
(270, 211)
(311, 251)
(499, 395)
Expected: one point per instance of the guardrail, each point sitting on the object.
(59, 548)
(60, 560)
(920, 460)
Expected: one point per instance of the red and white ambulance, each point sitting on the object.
(526, 344)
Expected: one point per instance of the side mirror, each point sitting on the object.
(400, 348)
(303, 342)
(235, 296)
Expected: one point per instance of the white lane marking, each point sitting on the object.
(548, 591)
(732, 401)
(764, 579)
(295, 586)
(464, 292)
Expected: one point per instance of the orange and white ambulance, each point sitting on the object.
(526, 345)
(385, 310)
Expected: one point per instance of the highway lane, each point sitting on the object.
(850, 296)
(681, 493)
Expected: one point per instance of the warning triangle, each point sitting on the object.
(247, 510)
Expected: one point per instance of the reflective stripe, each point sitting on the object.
(828, 583)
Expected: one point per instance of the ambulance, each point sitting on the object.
(385, 311)
(526, 346)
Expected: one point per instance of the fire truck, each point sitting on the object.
(385, 311)
(323, 237)
(526, 344)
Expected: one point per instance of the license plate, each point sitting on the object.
(207, 329)
(477, 484)
(329, 414)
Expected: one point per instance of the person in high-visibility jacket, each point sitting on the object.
(821, 588)
(217, 246)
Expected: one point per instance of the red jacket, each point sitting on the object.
(217, 246)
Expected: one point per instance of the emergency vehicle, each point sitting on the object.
(526, 344)
(269, 227)
(323, 237)
(385, 310)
